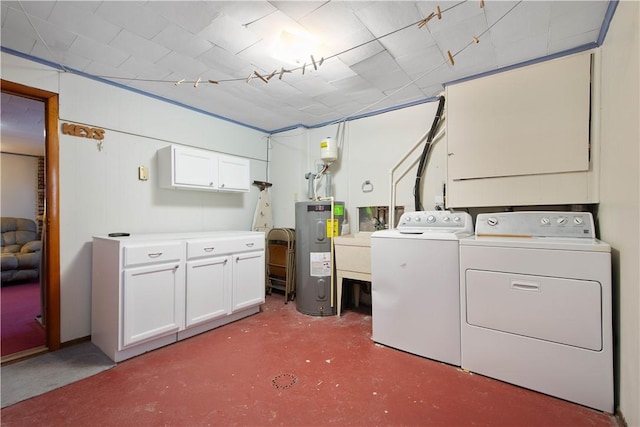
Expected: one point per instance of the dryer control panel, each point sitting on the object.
(536, 224)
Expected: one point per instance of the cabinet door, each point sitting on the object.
(195, 168)
(233, 173)
(248, 280)
(151, 306)
(208, 289)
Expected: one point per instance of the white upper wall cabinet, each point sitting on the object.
(196, 169)
(513, 136)
(233, 173)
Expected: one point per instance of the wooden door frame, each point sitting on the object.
(52, 212)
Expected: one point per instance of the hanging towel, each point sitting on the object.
(262, 219)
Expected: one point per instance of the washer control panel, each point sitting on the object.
(436, 220)
(536, 224)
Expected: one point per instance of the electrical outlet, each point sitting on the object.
(143, 173)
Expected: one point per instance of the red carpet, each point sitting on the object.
(283, 368)
(20, 306)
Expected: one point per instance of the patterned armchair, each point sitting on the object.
(20, 250)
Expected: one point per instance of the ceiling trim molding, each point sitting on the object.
(121, 86)
(604, 29)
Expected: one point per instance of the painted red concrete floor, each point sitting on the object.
(280, 367)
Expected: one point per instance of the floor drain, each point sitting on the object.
(284, 381)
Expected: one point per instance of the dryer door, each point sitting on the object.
(554, 309)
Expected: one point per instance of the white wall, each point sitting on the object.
(372, 146)
(620, 194)
(99, 190)
(19, 181)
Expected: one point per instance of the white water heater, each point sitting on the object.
(328, 150)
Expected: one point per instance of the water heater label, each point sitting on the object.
(332, 228)
(320, 263)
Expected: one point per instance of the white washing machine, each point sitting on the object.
(535, 299)
(415, 284)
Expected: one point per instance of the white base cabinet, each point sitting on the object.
(151, 290)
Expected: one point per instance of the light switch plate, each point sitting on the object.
(143, 173)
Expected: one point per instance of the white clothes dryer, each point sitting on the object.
(415, 284)
(536, 309)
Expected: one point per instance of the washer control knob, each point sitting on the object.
(457, 219)
(446, 219)
(418, 219)
(492, 221)
(561, 220)
(431, 219)
(544, 220)
(578, 220)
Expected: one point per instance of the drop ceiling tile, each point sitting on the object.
(69, 58)
(459, 36)
(269, 27)
(476, 59)
(586, 18)
(495, 10)
(381, 71)
(175, 38)
(82, 21)
(384, 17)
(138, 46)
(421, 61)
(229, 34)
(452, 12)
(526, 20)
(349, 84)
(361, 53)
(523, 50)
(258, 56)
(39, 9)
(4, 9)
(101, 53)
(18, 42)
(244, 12)
(106, 71)
(297, 10)
(193, 17)
(334, 69)
(367, 96)
(133, 16)
(55, 37)
(219, 59)
(144, 69)
(333, 99)
(316, 109)
(573, 41)
(313, 86)
(190, 68)
(334, 20)
(407, 41)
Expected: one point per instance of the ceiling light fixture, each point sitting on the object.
(293, 47)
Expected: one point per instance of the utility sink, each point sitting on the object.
(353, 261)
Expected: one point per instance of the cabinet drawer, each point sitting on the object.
(152, 253)
(223, 245)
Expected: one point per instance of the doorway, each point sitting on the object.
(50, 253)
